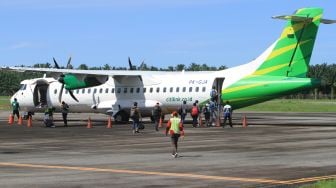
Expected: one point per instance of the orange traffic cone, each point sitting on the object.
(160, 122)
(29, 122)
(244, 121)
(89, 125)
(10, 119)
(20, 120)
(109, 123)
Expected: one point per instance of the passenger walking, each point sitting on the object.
(175, 129)
(183, 111)
(214, 94)
(213, 115)
(65, 110)
(206, 113)
(227, 113)
(136, 117)
(156, 113)
(194, 114)
(48, 117)
(16, 108)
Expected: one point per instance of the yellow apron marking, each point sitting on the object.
(180, 175)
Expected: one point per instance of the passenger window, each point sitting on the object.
(151, 90)
(66, 91)
(184, 89)
(197, 89)
(203, 89)
(144, 90)
(77, 91)
(157, 90)
(89, 91)
(101, 90)
(55, 91)
(190, 89)
(164, 90)
(177, 89)
(106, 90)
(83, 91)
(171, 89)
(131, 90)
(119, 90)
(138, 90)
(112, 90)
(125, 90)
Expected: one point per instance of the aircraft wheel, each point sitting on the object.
(121, 117)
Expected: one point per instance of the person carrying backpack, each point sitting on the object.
(206, 113)
(183, 111)
(136, 117)
(213, 115)
(227, 113)
(194, 114)
(156, 113)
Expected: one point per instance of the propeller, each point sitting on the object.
(61, 80)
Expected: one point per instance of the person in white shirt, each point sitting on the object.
(227, 114)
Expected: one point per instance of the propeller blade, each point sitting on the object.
(130, 63)
(72, 95)
(56, 65)
(69, 61)
(60, 94)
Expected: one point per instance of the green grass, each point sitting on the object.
(4, 103)
(293, 105)
(322, 184)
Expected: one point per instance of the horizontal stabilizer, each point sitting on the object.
(293, 18)
(326, 21)
(302, 19)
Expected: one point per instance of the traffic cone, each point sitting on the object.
(29, 122)
(244, 121)
(89, 125)
(160, 122)
(20, 120)
(109, 123)
(10, 119)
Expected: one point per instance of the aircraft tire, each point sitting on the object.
(121, 117)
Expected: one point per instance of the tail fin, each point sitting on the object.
(292, 52)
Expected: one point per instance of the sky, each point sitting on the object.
(161, 33)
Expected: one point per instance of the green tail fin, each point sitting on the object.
(292, 51)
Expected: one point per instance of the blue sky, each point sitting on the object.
(161, 32)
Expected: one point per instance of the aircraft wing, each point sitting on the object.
(76, 72)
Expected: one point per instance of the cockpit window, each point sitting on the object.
(23, 86)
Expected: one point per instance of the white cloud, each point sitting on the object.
(20, 45)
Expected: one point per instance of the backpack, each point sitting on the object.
(206, 110)
(194, 111)
(134, 113)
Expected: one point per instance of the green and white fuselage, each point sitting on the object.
(280, 70)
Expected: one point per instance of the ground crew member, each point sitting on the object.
(16, 108)
(175, 129)
(157, 112)
(227, 113)
(65, 110)
(136, 117)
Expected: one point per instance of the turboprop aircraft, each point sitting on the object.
(280, 70)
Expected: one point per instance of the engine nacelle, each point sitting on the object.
(72, 81)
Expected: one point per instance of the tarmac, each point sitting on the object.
(274, 150)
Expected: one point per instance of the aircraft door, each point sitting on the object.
(40, 93)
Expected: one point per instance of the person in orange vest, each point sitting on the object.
(175, 129)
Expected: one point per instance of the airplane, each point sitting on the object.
(280, 70)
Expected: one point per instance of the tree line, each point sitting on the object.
(10, 80)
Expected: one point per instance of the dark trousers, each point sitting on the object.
(195, 121)
(16, 112)
(65, 120)
(174, 140)
(227, 116)
(156, 121)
